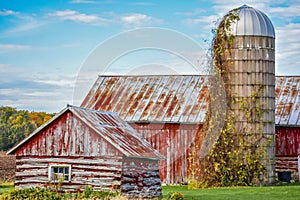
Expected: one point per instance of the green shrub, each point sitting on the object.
(175, 196)
(48, 193)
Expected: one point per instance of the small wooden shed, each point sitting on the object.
(86, 147)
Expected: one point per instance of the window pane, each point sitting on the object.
(59, 172)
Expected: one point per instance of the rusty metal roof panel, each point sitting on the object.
(287, 100)
(117, 132)
(178, 98)
(151, 92)
(154, 102)
(174, 99)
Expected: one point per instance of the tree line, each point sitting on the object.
(15, 125)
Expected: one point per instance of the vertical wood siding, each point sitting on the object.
(67, 136)
(176, 143)
(287, 141)
(287, 149)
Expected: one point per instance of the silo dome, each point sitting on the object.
(252, 22)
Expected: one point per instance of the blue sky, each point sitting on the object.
(43, 44)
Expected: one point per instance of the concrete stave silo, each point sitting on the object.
(250, 83)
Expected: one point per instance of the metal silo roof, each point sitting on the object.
(252, 22)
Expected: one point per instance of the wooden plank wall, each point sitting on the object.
(67, 136)
(100, 172)
(176, 143)
(287, 149)
(287, 141)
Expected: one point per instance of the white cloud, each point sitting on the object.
(30, 99)
(4, 48)
(24, 24)
(138, 19)
(57, 82)
(206, 23)
(75, 16)
(290, 11)
(203, 19)
(191, 13)
(4, 66)
(224, 6)
(287, 49)
(25, 89)
(7, 12)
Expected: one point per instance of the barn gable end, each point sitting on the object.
(67, 136)
(85, 147)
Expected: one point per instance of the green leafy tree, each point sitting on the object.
(15, 125)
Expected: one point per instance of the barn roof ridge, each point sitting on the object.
(91, 110)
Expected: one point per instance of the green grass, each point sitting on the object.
(286, 192)
(6, 186)
(281, 192)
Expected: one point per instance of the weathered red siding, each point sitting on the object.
(67, 136)
(287, 149)
(287, 141)
(102, 172)
(176, 143)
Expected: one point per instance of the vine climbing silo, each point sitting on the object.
(248, 70)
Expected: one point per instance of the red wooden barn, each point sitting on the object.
(287, 122)
(169, 112)
(87, 147)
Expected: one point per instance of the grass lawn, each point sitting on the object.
(282, 192)
(6, 186)
(286, 192)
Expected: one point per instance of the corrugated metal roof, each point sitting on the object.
(110, 127)
(252, 22)
(177, 99)
(287, 100)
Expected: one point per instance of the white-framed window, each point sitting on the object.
(59, 173)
